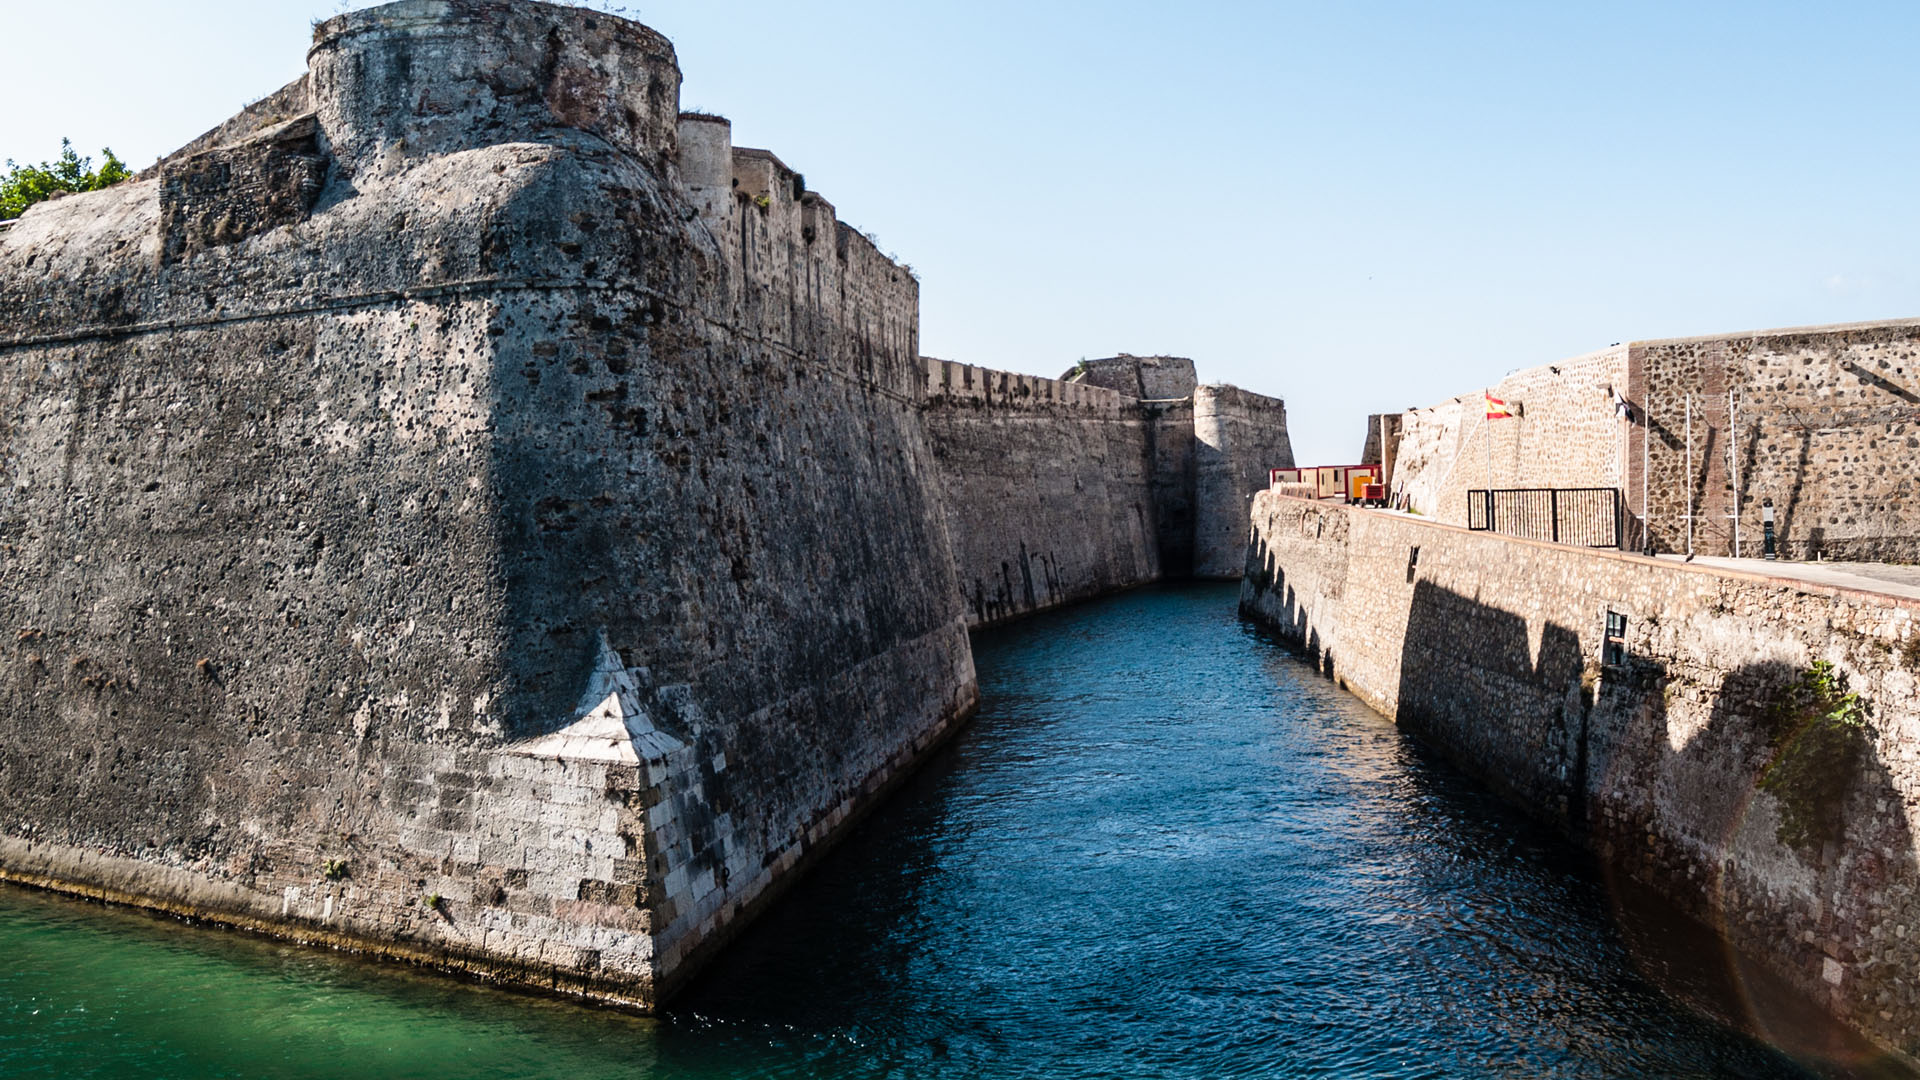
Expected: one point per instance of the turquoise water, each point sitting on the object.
(1164, 848)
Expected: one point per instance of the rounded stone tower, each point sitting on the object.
(433, 76)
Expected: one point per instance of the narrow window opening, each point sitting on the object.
(1614, 651)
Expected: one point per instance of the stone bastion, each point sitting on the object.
(412, 536)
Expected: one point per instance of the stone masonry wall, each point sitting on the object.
(1059, 490)
(1148, 378)
(431, 527)
(1826, 424)
(1383, 431)
(1428, 451)
(1170, 447)
(1048, 488)
(1492, 648)
(1237, 438)
(1565, 434)
(1164, 387)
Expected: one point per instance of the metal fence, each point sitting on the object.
(1588, 517)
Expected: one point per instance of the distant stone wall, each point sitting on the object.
(1823, 421)
(1493, 649)
(1148, 378)
(1238, 438)
(1048, 488)
(1383, 430)
(1062, 490)
(1171, 449)
(502, 555)
(1428, 452)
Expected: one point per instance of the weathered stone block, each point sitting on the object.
(225, 194)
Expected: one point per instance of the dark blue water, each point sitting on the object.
(1164, 848)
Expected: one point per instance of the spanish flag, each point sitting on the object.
(1496, 409)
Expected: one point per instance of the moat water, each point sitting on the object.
(1164, 848)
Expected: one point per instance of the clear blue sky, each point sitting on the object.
(1355, 206)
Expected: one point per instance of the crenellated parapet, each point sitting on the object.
(816, 286)
(1062, 489)
(956, 384)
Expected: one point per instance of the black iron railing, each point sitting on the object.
(1588, 517)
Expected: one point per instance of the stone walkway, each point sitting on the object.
(1889, 578)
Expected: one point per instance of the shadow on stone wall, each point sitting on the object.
(1659, 774)
(1679, 810)
(1283, 614)
(1794, 492)
(1512, 709)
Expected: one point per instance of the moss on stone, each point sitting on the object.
(1817, 731)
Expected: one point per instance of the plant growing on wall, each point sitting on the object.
(1817, 730)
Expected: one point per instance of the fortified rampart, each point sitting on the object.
(1063, 489)
(1823, 422)
(1495, 649)
(463, 510)
(1048, 487)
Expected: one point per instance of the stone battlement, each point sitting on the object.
(1061, 489)
(955, 384)
(402, 488)
(791, 267)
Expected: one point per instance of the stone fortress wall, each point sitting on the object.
(1237, 438)
(1825, 423)
(1822, 421)
(1212, 445)
(463, 509)
(1059, 490)
(1565, 434)
(1048, 487)
(1493, 648)
(414, 529)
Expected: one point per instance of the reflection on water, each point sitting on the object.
(1164, 848)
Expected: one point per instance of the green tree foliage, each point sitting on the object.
(24, 185)
(1818, 733)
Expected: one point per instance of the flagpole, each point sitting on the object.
(1733, 455)
(1646, 463)
(1486, 396)
(1689, 474)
